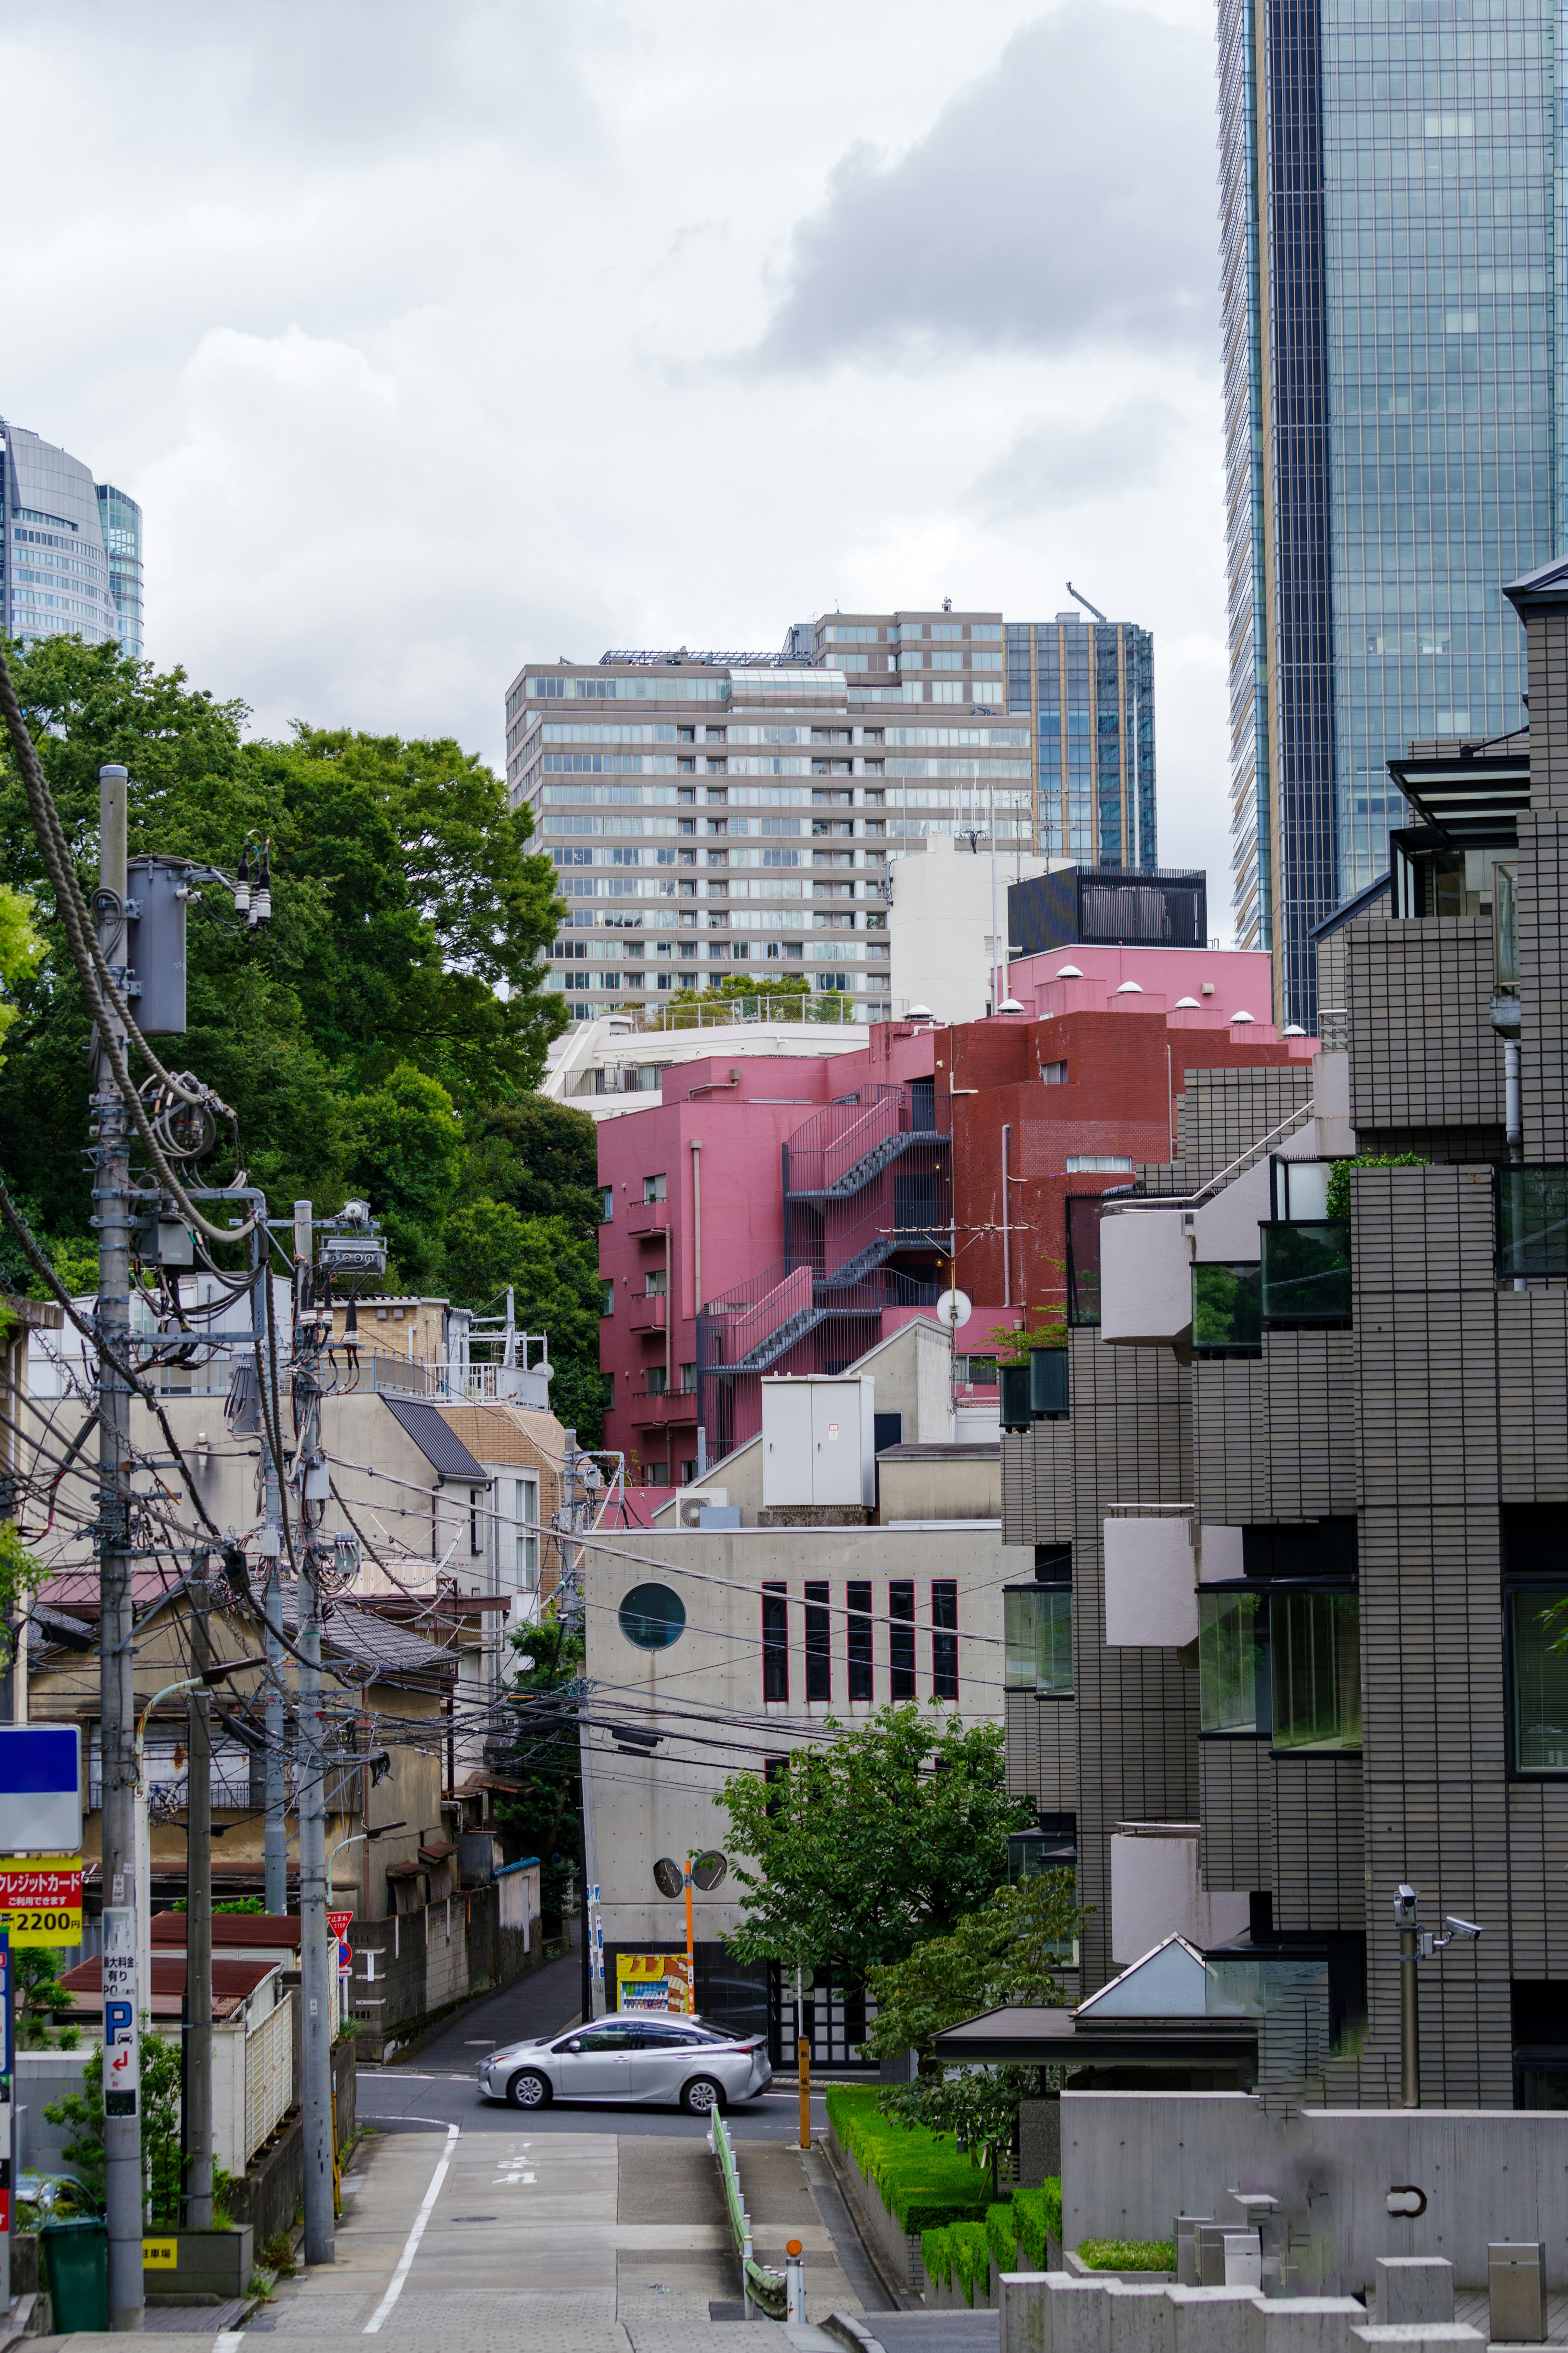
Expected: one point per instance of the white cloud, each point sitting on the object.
(414, 332)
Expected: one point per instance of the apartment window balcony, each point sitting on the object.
(1281, 1663)
(1038, 1653)
(1036, 1391)
(647, 1218)
(648, 1314)
(1151, 1576)
(1306, 1272)
(1531, 1222)
(1227, 1310)
(649, 1410)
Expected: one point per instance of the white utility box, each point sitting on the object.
(819, 1441)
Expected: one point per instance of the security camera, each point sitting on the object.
(1457, 1928)
(1404, 1903)
(355, 1213)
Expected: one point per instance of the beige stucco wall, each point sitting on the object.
(707, 1687)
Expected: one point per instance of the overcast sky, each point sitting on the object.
(435, 339)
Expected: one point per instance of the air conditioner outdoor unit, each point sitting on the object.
(694, 1501)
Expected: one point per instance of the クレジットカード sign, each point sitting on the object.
(40, 1900)
(121, 2051)
(40, 1788)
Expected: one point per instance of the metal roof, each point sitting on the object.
(368, 1639)
(437, 1441)
(1475, 802)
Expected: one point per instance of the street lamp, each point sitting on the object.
(1417, 1945)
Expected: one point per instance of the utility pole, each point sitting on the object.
(575, 1613)
(197, 2074)
(111, 1216)
(313, 1484)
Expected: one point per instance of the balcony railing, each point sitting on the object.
(1306, 1271)
(650, 1407)
(1532, 1222)
(646, 1219)
(648, 1314)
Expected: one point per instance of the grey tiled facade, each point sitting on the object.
(1393, 1461)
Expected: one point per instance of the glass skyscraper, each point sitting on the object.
(71, 548)
(1390, 336)
(1089, 687)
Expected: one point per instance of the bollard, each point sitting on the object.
(794, 2282)
(1021, 2312)
(1516, 2276)
(1412, 2287)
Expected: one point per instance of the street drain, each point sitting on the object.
(473, 2218)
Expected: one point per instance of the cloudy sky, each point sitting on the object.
(432, 339)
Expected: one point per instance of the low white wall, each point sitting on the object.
(1131, 2162)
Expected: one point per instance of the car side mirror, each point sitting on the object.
(573, 2046)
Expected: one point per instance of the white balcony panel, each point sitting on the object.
(1226, 1228)
(1156, 1892)
(1145, 1276)
(1151, 1582)
(1220, 1557)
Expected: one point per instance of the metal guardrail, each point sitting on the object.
(765, 2289)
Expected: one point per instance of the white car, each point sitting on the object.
(633, 2055)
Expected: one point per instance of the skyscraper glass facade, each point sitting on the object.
(121, 518)
(1388, 173)
(70, 551)
(1088, 687)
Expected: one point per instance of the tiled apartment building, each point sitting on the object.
(1307, 1520)
(714, 812)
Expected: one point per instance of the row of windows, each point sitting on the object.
(856, 1662)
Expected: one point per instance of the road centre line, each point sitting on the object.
(411, 2245)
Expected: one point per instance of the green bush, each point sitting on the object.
(1128, 2254)
(1339, 1201)
(1002, 2236)
(921, 2177)
(961, 2248)
(1034, 2213)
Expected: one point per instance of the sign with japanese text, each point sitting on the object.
(40, 1900)
(6, 2132)
(160, 2254)
(122, 2049)
(653, 1981)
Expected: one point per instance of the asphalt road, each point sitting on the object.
(436, 2087)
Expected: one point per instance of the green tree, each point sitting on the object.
(1008, 1952)
(542, 1157)
(554, 1274)
(39, 1993)
(860, 1851)
(160, 2110)
(406, 1155)
(545, 1817)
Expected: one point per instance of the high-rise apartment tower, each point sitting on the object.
(1393, 431)
(70, 551)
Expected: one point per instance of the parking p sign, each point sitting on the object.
(122, 2049)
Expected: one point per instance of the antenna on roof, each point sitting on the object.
(1082, 599)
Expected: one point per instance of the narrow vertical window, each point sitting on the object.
(859, 1622)
(902, 1639)
(776, 1642)
(818, 1644)
(776, 1770)
(944, 1637)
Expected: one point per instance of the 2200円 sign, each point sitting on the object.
(40, 1901)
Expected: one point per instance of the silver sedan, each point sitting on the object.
(632, 2056)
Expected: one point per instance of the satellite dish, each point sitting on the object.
(954, 1309)
(544, 1368)
(668, 1876)
(709, 1870)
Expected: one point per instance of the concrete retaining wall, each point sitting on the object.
(900, 2251)
(1133, 2161)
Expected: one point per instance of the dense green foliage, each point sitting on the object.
(1129, 2254)
(382, 1036)
(1006, 1952)
(864, 1849)
(1011, 2235)
(789, 998)
(38, 1994)
(160, 2112)
(544, 1818)
(919, 2175)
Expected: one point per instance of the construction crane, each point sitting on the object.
(1079, 596)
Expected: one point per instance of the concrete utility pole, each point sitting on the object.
(312, 1483)
(111, 1210)
(196, 2071)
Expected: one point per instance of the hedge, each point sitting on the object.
(1128, 2254)
(921, 2177)
(961, 2247)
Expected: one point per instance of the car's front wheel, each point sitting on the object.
(529, 2090)
(703, 2096)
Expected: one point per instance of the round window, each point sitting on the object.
(653, 1617)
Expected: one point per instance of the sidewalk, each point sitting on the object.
(574, 2242)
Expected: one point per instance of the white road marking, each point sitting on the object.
(411, 2245)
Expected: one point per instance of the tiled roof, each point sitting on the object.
(363, 1638)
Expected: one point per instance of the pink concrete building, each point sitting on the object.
(784, 1214)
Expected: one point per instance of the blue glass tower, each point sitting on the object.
(1088, 687)
(1388, 172)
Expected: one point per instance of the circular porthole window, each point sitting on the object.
(653, 1617)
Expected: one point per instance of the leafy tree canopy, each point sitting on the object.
(864, 1849)
(380, 1036)
(545, 1817)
